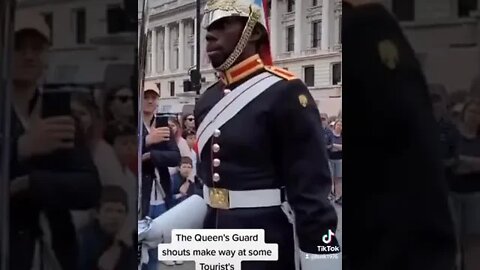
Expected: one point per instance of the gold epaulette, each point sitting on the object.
(280, 72)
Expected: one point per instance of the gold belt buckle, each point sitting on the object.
(219, 198)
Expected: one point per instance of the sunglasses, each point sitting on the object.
(190, 119)
(123, 99)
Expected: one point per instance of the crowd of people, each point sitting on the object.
(333, 140)
(168, 164)
(458, 118)
(73, 166)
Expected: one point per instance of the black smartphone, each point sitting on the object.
(56, 103)
(161, 121)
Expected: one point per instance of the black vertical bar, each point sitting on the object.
(197, 37)
(7, 13)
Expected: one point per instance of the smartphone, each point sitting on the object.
(161, 121)
(56, 103)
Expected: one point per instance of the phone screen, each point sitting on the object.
(161, 121)
(56, 103)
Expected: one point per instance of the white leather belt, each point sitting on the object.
(229, 199)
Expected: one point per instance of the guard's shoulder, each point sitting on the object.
(281, 72)
(206, 95)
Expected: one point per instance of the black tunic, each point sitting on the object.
(398, 213)
(273, 142)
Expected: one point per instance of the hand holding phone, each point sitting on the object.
(47, 135)
(158, 135)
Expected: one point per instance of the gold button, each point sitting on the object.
(216, 148)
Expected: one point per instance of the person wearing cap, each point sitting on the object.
(262, 153)
(52, 172)
(160, 151)
(402, 208)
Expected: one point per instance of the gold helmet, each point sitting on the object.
(253, 10)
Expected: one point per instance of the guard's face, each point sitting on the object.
(150, 102)
(222, 37)
(30, 57)
(111, 217)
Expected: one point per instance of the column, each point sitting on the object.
(181, 45)
(326, 25)
(154, 51)
(166, 49)
(195, 41)
(298, 27)
(273, 28)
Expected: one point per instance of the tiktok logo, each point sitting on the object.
(327, 238)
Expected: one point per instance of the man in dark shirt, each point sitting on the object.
(44, 187)
(159, 153)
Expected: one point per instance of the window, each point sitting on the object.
(340, 29)
(176, 66)
(309, 75)
(192, 55)
(404, 10)
(148, 66)
(336, 73)
(290, 5)
(172, 88)
(466, 6)
(160, 53)
(49, 21)
(159, 86)
(116, 19)
(80, 26)
(314, 3)
(290, 38)
(316, 34)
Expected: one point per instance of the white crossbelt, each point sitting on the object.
(249, 198)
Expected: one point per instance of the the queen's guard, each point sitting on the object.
(262, 155)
